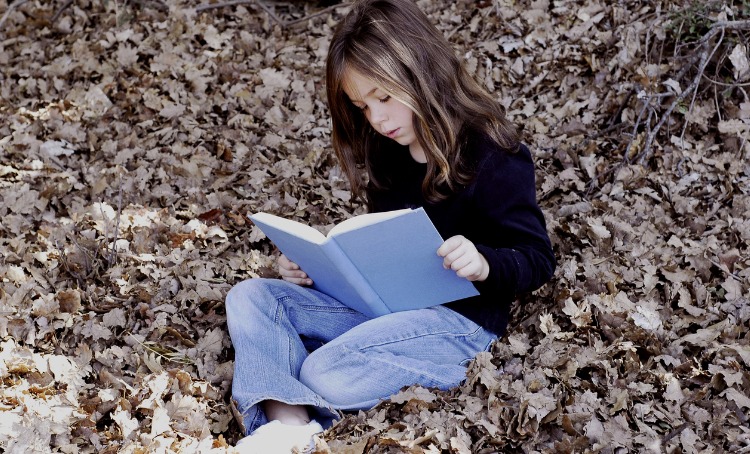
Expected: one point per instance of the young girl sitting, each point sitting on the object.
(428, 135)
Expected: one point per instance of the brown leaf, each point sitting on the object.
(69, 300)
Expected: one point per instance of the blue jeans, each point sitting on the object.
(296, 345)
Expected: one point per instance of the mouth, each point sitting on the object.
(392, 133)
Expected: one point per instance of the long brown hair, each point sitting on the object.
(393, 43)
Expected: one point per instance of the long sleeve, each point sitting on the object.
(497, 211)
(512, 236)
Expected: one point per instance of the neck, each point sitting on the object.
(417, 153)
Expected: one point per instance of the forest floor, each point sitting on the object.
(135, 137)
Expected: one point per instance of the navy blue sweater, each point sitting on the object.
(497, 211)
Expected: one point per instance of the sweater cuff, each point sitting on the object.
(507, 276)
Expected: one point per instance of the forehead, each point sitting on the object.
(358, 87)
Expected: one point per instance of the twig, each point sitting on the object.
(60, 11)
(717, 264)
(112, 252)
(201, 8)
(153, 3)
(722, 26)
(690, 109)
(635, 129)
(724, 84)
(705, 57)
(674, 432)
(11, 7)
(614, 118)
(716, 103)
(262, 5)
(702, 58)
(270, 12)
(165, 353)
(316, 14)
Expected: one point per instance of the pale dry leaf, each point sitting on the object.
(171, 110)
(734, 126)
(57, 148)
(160, 421)
(274, 79)
(547, 324)
(127, 55)
(733, 289)
(738, 397)
(646, 316)
(128, 425)
(115, 318)
(416, 392)
(740, 61)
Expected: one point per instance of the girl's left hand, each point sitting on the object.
(460, 255)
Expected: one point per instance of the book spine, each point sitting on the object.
(370, 303)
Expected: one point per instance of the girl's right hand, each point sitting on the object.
(290, 272)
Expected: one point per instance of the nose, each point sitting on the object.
(378, 113)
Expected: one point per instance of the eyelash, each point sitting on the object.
(383, 100)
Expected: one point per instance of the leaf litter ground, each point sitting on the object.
(136, 136)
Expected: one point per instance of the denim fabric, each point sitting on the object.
(296, 345)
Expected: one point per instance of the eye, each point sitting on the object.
(385, 99)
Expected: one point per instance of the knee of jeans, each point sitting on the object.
(251, 291)
(328, 374)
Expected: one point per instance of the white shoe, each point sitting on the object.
(278, 438)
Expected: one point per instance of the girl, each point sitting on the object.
(403, 109)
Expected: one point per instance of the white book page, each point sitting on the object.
(365, 219)
(292, 227)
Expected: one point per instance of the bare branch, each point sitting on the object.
(206, 7)
(112, 253)
(316, 14)
(157, 4)
(700, 55)
(60, 11)
(262, 5)
(270, 12)
(724, 84)
(12, 6)
(705, 57)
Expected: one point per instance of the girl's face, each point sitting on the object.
(387, 115)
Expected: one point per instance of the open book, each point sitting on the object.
(375, 263)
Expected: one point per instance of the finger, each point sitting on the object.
(450, 244)
(286, 263)
(470, 271)
(298, 281)
(461, 262)
(477, 270)
(457, 254)
(299, 274)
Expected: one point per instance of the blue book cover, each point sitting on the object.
(375, 263)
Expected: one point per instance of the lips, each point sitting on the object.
(392, 133)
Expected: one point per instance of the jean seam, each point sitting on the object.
(441, 333)
(283, 296)
(420, 373)
(277, 319)
(338, 310)
(280, 308)
(455, 336)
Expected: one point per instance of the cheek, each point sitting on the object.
(367, 117)
(408, 117)
(405, 114)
